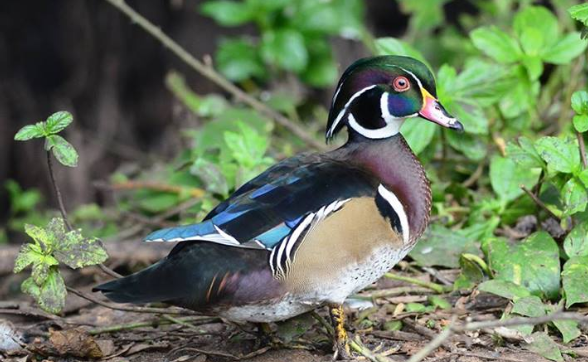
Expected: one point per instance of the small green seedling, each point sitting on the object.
(63, 151)
(57, 243)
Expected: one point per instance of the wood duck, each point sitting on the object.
(314, 228)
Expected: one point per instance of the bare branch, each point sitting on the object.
(131, 308)
(212, 75)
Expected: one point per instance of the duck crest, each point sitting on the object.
(392, 161)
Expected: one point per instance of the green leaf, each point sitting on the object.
(574, 196)
(575, 280)
(496, 44)
(543, 345)
(510, 262)
(566, 49)
(228, 13)
(472, 147)
(533, 65)
(285, 48)
(211, 175)
(41, 268)
(579, 12)
(29, 132)
(51, 294)
(506, 178)
(524, 154)
(569, 330)
(22, 201)
(531, 41)
(581, 122)
(580, 102)
(239, 60)
(28, 254)
(441, 247)
(504, 289)
(58, 121)
(538, 23)
(418, 133)
(560, 155)
(576, 242)
(393, 46)
(439, 302)
(63, 151)
(294, 328)
(39, 235)
(472, 273)
(77, 251)
(530, 306)
(321, 71)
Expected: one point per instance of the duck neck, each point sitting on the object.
(392, 161)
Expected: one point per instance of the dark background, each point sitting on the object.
(85, 57)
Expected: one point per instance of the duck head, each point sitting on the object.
(375, 96)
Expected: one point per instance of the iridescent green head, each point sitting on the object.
(375, 96)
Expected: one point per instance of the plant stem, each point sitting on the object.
(212, 75)
(433, 286)
(539, 202)
(63, 212)
(580, 137)
(358, 347)
(434, 344)
(57, 191)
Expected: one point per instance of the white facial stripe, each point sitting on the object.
(392, 128)
(399, 209)
(414, 76)
(337, 93)
(388, 118)
(340, 115)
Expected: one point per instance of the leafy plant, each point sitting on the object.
(293, 37)
(53, 244)
(63, 151)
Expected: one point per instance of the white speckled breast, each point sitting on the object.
(350, 280)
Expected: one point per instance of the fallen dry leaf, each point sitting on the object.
(71, 342)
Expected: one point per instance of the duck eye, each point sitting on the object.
(401, 84)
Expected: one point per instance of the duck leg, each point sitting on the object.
(341, 343)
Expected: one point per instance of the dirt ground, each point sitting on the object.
(389, 328)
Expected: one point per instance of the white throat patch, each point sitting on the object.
(391, 128)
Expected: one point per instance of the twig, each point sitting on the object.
(109, 271)
(358, 347)
(433, 286)
(226, 355)
(57, 191)
(29, 312)
(103, 267)
(454, 328)
(470, 181)
(580, 137)
(211, 74)
(557, 316)
(424, 331)
(383, 293)
(435, 273)
(131, 308)
(165, 320)
(435, 343)
(487, 356)
(539, 203)
(155, 186)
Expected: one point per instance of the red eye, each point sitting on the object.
(401, 84)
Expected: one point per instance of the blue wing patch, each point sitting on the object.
(265, 211)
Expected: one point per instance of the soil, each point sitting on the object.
(386, 329)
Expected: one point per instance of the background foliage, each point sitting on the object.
(510, 194)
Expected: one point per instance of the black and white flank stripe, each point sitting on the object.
(282, 256)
